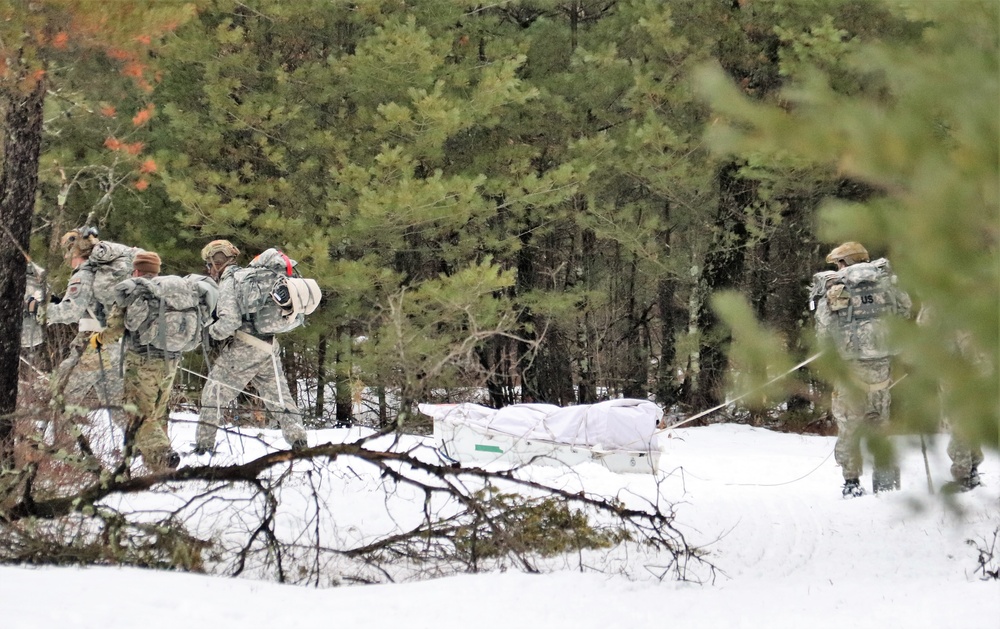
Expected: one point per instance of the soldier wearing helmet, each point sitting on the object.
(853, 306)
(242, 358)
(97, 266)
(847, 254)
(218, 255)
(77, 245)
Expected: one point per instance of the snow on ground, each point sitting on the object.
(766, 506)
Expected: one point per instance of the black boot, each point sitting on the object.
(885, 479)
(853, 488)
(201, 449)
(961, 485)
(173, 460)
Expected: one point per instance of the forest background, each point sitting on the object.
(549, 201)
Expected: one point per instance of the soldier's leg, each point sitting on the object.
(232, 370)
(111, 356)
(849, 417)
(272, 385)
(78, 378)
(875, 376)
(144, 382)
(159, 373)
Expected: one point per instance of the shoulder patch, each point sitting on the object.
(74, 288)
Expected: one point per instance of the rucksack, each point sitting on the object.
(111, 263)
(271, 294)
(167, 312)
(861, 298)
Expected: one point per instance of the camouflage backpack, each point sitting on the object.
(168, 313)
(269, 292)
(861, 298)
(111, 263)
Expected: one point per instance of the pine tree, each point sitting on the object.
(36, 38)
(919, 129)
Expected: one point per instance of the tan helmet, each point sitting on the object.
(850, 253)
(219, 246)
(79, 242)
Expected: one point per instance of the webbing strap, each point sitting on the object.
(252, 340)
(878, 386)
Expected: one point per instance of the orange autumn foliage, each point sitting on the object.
(133, 69)
(118, 54)
(144, 115)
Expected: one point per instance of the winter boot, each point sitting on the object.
(885, 479)
(962, 485)
(853, 488)
(173, 460)
(200, 449)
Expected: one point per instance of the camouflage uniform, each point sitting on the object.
(86, 369)
(148, 380)
(244, 358)
(857, 414)
(862, 405)
(965, 455)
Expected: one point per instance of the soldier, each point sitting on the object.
(965, 455)
(243, 357)
(853, 305)
(97, 267)
(148, 372)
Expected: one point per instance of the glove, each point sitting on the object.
(95, 341)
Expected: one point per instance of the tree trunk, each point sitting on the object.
(18, 184)
(321, 376)
(342, 366)
(586, 338)
(666, 294)
(723, 269)
(635, 368)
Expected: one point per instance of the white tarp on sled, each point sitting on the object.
(619, 434)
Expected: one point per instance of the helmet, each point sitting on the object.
(219, 246)
(849, 252)
(79, 241)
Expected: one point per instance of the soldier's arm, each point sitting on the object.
(904, 305)
(227, 311)
(823, 320)
(78, 297)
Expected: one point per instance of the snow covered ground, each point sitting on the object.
(766, 506)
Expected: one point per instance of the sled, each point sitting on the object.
(617, 434)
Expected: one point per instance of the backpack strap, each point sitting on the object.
(161, 333)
